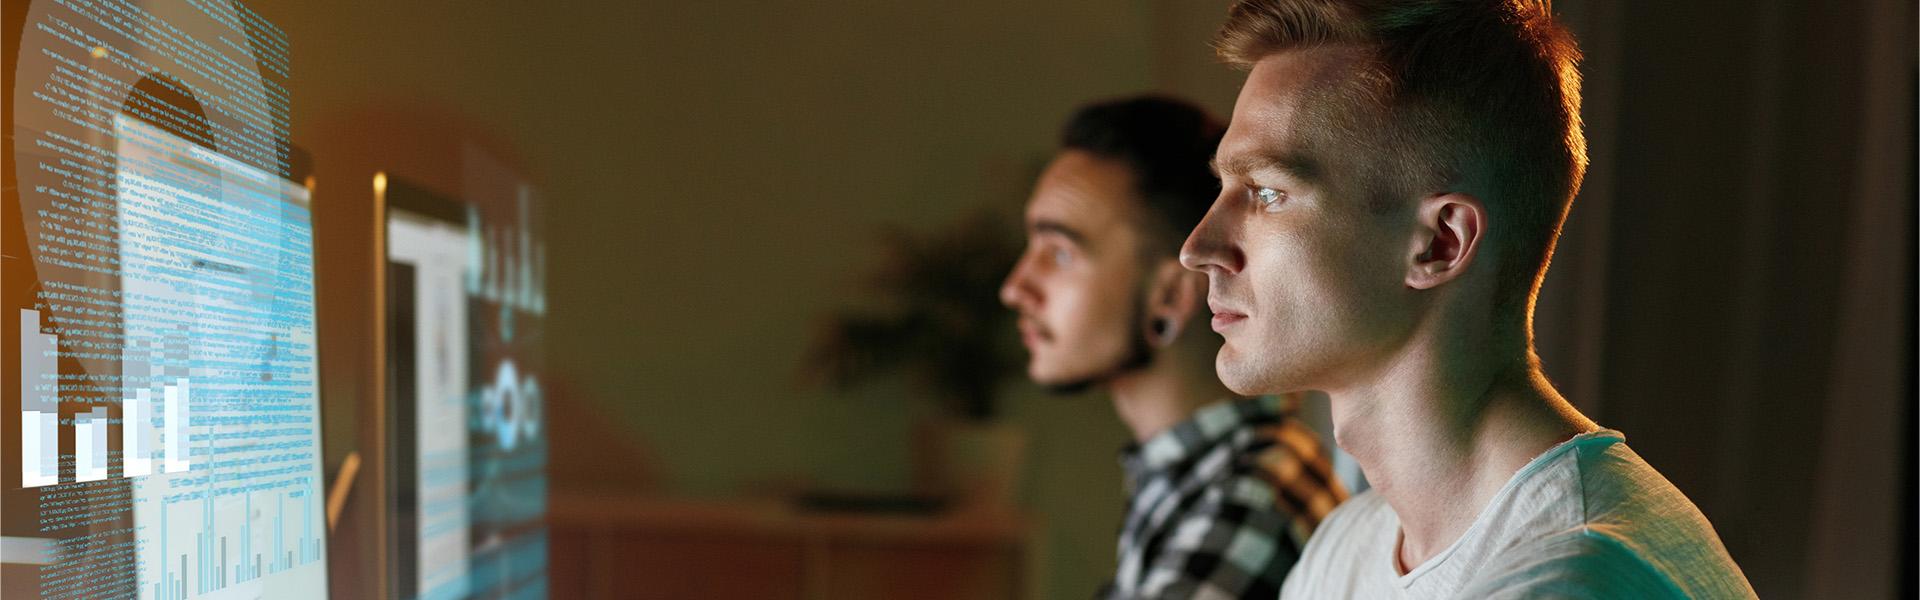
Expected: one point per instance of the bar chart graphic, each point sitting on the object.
(235, 540)
(39, 404)
(145, 435)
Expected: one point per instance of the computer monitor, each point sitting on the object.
(220, 431)
(464, 301)
(168, 396)
(428, 391)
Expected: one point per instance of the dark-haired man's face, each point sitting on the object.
(1305, 284)
(1077, 285)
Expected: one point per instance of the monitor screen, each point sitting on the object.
(428, 356)
(464, 306)
(221, 436)
(169, 406)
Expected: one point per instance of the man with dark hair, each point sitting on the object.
(1224, 489)
(1393, 182)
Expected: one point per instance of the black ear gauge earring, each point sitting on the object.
(1163, 331)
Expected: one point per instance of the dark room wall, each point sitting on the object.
(1731, 292)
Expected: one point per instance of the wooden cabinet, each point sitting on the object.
(643, 548)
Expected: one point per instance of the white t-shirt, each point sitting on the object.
(1587, 519)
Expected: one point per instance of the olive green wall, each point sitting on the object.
(714, 172)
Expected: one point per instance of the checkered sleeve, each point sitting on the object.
(1230, 542)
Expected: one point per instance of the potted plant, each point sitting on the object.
(935, 317)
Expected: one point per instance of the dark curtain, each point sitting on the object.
(1734, 290)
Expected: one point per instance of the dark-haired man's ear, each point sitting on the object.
(1449, 234)
(1173, 294)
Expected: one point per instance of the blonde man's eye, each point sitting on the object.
(1269, 199)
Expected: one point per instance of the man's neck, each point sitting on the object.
(1439, 436)
(1155, 398)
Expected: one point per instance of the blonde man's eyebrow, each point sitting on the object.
(1242, 164)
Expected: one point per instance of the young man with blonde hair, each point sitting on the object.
(1393, 181)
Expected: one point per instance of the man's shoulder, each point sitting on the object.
(1577, 563)
(1232, 534)
(1286, 457)
(1628, 501)
(1636, 532)
(1596, 563)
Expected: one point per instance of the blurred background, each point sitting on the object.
(743, 202)
(1734, 291)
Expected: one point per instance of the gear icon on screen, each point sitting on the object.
(510, 406)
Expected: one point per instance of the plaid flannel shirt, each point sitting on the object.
(1222, 503)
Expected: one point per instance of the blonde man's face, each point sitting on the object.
(1305, 283)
